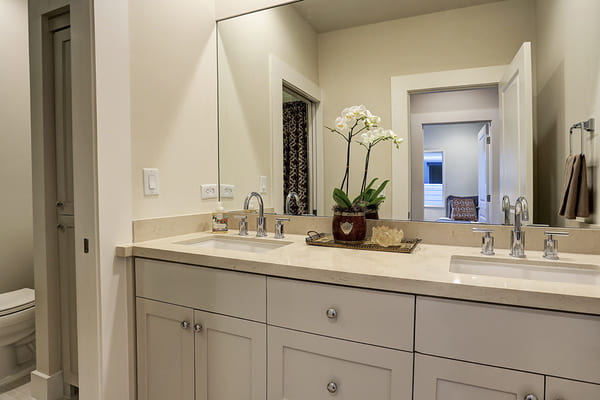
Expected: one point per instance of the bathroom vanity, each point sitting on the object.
(296, 322)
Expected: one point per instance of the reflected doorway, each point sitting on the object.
(298, 162)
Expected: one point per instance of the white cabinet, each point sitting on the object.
(165, 351)
(231, 358)
(444, 379)
(306, 366)
(185, 355)
(563, 389)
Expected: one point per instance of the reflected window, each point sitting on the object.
(433, 172)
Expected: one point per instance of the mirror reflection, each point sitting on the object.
(482, 92)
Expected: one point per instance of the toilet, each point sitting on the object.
(17, 335)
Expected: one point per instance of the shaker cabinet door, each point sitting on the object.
(231, 358)
(306, 366)
(165, 347)
(563, 389)
(444, 379)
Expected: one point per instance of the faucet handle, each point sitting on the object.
(279, 227)
(551, 244)
(243, 224)
(487, 241)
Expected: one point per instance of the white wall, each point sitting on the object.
(173, 103)
(568, 91)
(16, 260)
(244, 91)
(470, 37)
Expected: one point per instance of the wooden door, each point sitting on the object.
(305, 366)
(63, 137)
(445, 379)
(563, 389)
(516, 114)
(231, 358)
(165, 351)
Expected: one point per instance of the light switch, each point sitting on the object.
(151, 183)
(263, 184)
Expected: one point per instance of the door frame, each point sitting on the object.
(401, 89)
(281, 74)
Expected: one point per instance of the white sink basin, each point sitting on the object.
(527, 269)
(248, 245)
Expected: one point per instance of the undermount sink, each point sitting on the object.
(248, 245)
(527, 269)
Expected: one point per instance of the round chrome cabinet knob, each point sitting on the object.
(332, 387)
(185, 324)
(197, 327)
(531, 397)
(332, 313)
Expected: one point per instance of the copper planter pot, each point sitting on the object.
(349, 227)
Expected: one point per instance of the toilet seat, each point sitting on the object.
(16, 301)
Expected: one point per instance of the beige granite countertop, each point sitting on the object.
(424, 272)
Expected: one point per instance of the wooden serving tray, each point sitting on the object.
(326, 240)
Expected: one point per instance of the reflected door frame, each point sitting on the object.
(281, 74)
(401, 89)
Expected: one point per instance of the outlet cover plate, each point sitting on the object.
(227, 191)
(209, 191)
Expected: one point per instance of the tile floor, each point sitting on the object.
(22, 392)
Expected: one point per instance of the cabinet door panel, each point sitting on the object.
(302, 365)
(443, 379)
(231, 358)
(165, 351)
(563, 389)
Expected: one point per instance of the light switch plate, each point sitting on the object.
(209, 191)
(151, 182)
(263, 184)
(227, 191)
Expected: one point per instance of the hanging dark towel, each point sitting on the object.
(575, 194)
(567, 178)
(583, 199)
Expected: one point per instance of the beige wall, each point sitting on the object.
(16, 260)
(470, 37)
(244, 91)
(230, 8)
(173, 103)
(568, 91)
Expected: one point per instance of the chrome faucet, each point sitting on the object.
(260, 221)
(506, 209)
(288, 201)
(517, 236)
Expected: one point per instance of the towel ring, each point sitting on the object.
(584, 126)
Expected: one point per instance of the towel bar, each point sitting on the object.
(583, 126)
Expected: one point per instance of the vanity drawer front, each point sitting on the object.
(563, 389)
(546, 342)
(306, 366)
(225, 292)
(367, 316)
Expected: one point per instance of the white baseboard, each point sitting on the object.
(46, 387)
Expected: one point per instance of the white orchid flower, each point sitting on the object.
(340, 123)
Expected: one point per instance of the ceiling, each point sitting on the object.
(329, 15)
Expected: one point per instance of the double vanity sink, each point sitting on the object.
(536, 270)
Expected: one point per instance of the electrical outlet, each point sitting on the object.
(227, 191)
(209, 191)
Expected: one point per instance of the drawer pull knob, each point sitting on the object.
(332, 387)
(531, 397)
(185, 324)
(332, 313)
(197, 327)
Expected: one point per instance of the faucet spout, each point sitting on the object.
(517, 239)
(260, 221)
(288, 201)
(506, 209)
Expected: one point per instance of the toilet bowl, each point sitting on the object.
(17, 335)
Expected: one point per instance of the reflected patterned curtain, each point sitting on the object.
(295, 154)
